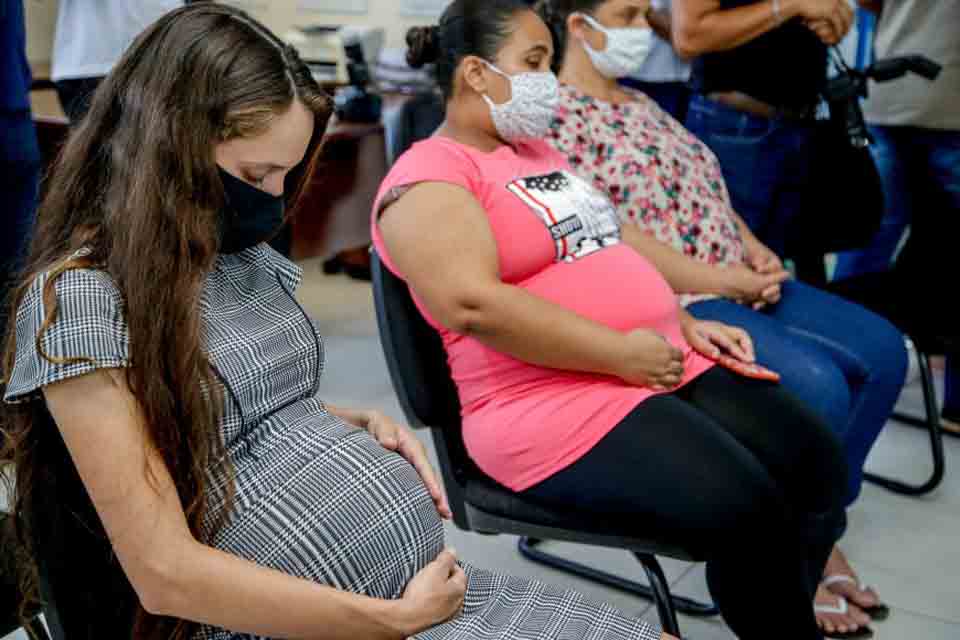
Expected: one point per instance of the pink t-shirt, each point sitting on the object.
(558, 238)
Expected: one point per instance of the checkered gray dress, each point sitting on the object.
(316, 498)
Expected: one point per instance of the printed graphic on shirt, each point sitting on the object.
(580, 219)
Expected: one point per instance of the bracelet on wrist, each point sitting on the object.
(777, 12)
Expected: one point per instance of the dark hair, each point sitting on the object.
(137, 184)
(555, 14)
(466, 28)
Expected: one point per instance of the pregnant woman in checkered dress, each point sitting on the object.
(163, 337)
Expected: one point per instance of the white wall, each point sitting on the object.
(41, 17)
(279, 15)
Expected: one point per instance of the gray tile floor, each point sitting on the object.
(907, 547)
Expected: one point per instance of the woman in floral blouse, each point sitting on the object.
(843, 361)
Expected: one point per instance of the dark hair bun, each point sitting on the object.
(422, 46)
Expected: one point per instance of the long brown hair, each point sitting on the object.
(137, 184)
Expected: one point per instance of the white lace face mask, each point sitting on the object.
(626, 50)
(534, 97)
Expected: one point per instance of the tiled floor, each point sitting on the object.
(909, 548)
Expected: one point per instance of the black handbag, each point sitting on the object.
(843, 201)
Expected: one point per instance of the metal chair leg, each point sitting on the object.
(689, 606)
(661, 593)
(932, 423)
(920, 423)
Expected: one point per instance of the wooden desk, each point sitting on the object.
(335, 215)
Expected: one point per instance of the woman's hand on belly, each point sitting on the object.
(649, 360)
(396, 437)
(435, 594)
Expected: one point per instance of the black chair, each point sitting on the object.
(10, 588)
(887, 294)
(85, 593)
(421, 378)
(419, 117)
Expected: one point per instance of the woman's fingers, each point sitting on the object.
(703, 344)
(446, 560)
(396, 437)
(665, 380)
(771, 294)
(414, 452)
(824, 30)
(734, 341)
(745, 343)
(384, 430)
(724, 341)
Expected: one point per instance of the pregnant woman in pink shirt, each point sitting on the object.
(583, 382)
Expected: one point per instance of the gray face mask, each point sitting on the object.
(534, 97)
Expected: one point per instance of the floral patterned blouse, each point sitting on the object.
(660, 176)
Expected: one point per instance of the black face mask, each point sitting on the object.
(250, 216)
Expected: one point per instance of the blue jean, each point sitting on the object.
(765, 163)
(844, 362)
(951, 395)
(19, 180)
(920, 170)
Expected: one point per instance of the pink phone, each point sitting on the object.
(747, 369)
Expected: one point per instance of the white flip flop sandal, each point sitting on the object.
(841, 609)
(877, 612)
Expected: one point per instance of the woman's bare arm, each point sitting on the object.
(685, 274)
(438, 236)
(703, 26)
(688, 275)
(174, 574)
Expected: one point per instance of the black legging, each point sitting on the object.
(739, 472)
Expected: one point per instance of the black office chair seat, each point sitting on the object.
(488, 501)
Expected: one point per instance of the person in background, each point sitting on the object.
(89, 39)
(20, 162)
(843, 361)
(916, 130)
(583, 383)
(163, 338)
(759, 68)
(19, 179)
(664, 74)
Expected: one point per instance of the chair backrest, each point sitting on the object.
(9, 585)
(85, 591)
(421, 378)
(420, 116)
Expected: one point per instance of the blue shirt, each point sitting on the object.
(14, 69)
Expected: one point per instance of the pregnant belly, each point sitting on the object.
(615, 286)
(335, 507)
